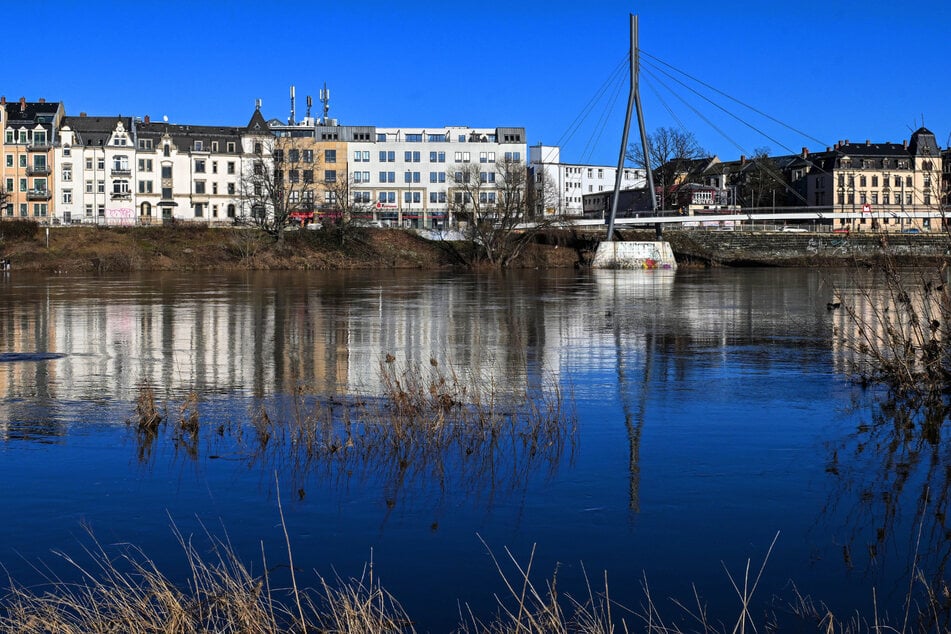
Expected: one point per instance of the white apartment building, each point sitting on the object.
(563, 185)
(406, 176)
(124, 171)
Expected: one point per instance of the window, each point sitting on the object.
(101, 187)
(120, 186)
(411, 157)
(67, 196)
(67, 172)
(231, 211)
(166, 171)
(199, 165)
(437, 177)
(214, 167)
(330, 156)
(308, 176)
(258, 148)
(39, 210)
(414, 138)
(145, 187)
(293, 176)
(9, 184)
(875, 181)
(89, 211)
(166, 193)
(23, 160)
(199, 146)
(230, 146)
(361, 197)
(199, 210)
(330, 176)
(381, 137)
(214, 146)
(89, 187)
(145, 144)
(308, 156)
(231, 188)
(293, 155)
(145, 165)
(199, 187)
(23, 210)
(436, 138)
(9, 160)
(166, 150)
(101, 163)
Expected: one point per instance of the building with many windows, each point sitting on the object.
(562, 187)
(29, 133)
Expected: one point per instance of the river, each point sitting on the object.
(713, 413)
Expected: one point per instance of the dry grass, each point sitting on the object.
(429, 427)
(126, 592)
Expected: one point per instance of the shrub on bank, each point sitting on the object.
(18, 229)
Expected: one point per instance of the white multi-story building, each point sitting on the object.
(409, 176)
(121, 170)
(562, 186)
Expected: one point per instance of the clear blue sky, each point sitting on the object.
(834, 70)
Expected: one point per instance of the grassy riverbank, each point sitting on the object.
(191, 247)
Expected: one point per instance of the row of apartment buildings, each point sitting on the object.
(866, 185)
(130, 170)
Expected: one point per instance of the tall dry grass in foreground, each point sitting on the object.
(127, 592)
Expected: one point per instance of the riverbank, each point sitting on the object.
(202, 248)
(197, 248)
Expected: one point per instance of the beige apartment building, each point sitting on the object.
(29, 134)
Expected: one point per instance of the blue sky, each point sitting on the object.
(831, 70)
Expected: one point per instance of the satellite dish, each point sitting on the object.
(165, 118)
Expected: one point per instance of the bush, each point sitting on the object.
(18, 229)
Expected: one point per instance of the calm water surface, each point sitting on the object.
(713, 413)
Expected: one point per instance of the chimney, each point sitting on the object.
(805, 152)
(147, 119)
(22, 104)
(3, 100)
(82, 114)
(904, 144)
(742, 159)
(846, 142)
(42, 99)
(828, 149)
(868, 142)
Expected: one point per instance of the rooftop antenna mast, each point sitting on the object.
(325, 99)
(633, 102)
(310, 102)
(290, 120)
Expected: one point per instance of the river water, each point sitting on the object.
(713, 414)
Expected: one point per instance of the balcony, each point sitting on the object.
(121, 195)
(39, 147)
(121, 171)
(39, 194)
(38, 170)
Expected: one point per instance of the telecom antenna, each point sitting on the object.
(310, 102)
(325, 99)
(291, 120)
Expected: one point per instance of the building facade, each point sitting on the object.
(563, 188)
(29, 132)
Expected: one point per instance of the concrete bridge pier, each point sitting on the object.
(634, 255)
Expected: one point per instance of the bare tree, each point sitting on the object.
(493, 202)
(542, 197)
(349, 204)
(278, 188)
(674, 158)
(760, 181)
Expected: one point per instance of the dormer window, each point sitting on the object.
(198, 146)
